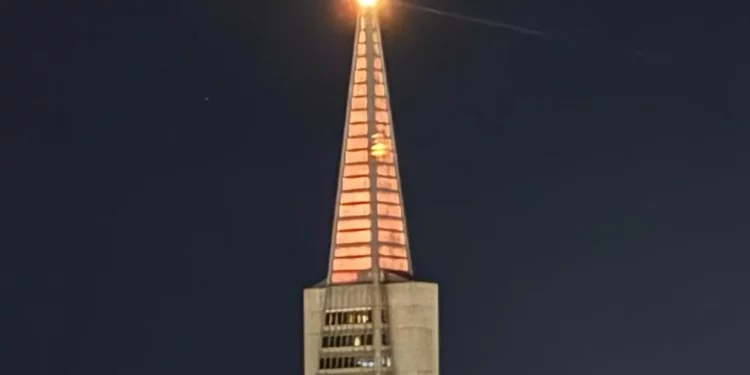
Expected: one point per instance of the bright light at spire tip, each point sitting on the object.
(367, 3)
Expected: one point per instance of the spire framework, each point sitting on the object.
(369, 228)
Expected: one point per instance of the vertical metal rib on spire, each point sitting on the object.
(369, 227)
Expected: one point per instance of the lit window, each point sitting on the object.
(358, 170)
(393, 237)
(386, 170)
(360, 76)
(392, 251)
(359, 90)
(388, 197)
(356, 157)
(349, 210)
(351, 224)
(355, 197)
(359, 103)
(358, 116)
(357, 130)
(382, 116)
(361, 63)
(356, 183)
(389, 210)
(352, 264)
(361, 236)
(359, 143)
(380, 89)
(387, 183)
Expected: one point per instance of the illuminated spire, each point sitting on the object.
(369, 228)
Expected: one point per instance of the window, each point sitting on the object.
(362, 316)
(343, 341)
(348, 362)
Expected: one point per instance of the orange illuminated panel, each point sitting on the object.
(352, 224)
(383, 129)
(356, 143)
(386, 170)
(358, 116)
(375, 37)
(355, 183)
(392, 251)
(352, 264)
(391, 224)
(394, 264)
(378, 64)
(359, 103)
(361, 49)
(356, 156)
(362, 23)
(360, 76)
(361, 236)
(343, 277)
(392, 237)
(351, 210)
(388, 197)
(387, 158)
(381, 103)
(376, 48)
(361, 63)
(359, 90)
(352, 251)
(356, 170)
(389, 210)
(357, 130)
(380, 89)
(382, 116)
(387, 183)
(378, 77)
(355, 197)
(362, 37)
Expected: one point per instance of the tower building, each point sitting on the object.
(370, 315)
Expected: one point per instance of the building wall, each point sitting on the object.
(413, 319)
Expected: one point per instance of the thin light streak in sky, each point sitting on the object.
(483, 21)
(502, 25)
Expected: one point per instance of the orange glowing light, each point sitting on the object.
(367, 3)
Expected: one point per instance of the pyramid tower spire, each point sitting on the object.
(369, 226)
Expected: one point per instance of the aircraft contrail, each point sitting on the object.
(507, 26)
(486, 22)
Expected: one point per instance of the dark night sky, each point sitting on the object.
(585, 210)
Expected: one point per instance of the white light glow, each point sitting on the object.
(367, 3)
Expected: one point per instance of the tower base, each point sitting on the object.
(411, 318)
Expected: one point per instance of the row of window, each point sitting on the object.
(351, 317)
(352, 362)
(350, 340)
